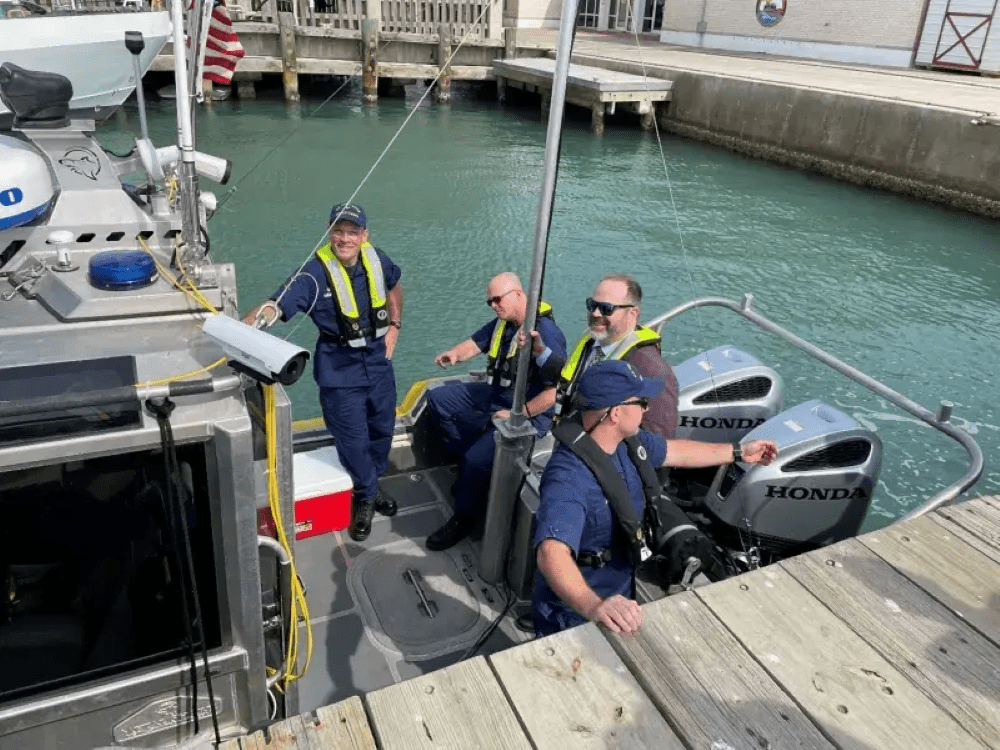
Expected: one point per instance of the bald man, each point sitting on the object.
(464, 411)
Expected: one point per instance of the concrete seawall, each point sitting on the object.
(933, 154)
(926, 135)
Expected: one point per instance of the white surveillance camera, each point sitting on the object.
(213, 167)
(258, 354)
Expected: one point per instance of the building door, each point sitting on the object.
(963, 33)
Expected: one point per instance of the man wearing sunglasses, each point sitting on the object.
(585, 563)
(613, 332)
(351, 291)
(464, 411)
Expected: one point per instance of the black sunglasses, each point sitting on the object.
(640, 401)
(490, 301)
(607, 308)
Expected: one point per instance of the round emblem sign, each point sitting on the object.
(770, 12)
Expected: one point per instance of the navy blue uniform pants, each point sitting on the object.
(464, 412)
(362, 420)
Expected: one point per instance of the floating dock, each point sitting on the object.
(598, 89)
(890, 640)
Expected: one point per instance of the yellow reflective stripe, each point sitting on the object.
(569, 369)
(340, 282)
(639, 337)
(497, 338)
(544, 308)
(373, 270)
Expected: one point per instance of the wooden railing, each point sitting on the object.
(481, 19)
(98, 6)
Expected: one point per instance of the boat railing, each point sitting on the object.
(939, 421)
(422, 17)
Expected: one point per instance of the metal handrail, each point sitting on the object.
(938, 421)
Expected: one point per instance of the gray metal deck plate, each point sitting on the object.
(402, 616)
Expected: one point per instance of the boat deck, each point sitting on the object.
(889, 640)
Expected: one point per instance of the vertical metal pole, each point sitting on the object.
(185, 136)
(514, 438)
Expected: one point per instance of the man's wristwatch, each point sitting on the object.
(737, 452)
(396, 324)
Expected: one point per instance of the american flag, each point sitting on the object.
(222, 48)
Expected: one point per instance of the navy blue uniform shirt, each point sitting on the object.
(337, 366)
(503, 398)
(574, 510)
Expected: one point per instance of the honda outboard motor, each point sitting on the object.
(724, 393)
(817, 491)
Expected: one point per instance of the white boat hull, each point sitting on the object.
(87, 48)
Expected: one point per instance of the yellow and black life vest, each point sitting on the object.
(501, 369)
(353, 329)
(575, 366)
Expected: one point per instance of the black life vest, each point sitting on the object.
(664, 529)
(636, 530)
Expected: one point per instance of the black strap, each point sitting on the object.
(595, 559)
(651, 486)
(570, 433)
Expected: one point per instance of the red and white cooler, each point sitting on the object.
(322, 493)
(322, 489)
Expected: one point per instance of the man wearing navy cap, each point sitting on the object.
(351, 291)
(585, 570)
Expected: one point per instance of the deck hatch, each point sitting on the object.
(420, 600)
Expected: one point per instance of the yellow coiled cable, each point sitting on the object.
(300, 608)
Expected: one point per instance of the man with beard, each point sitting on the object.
(614, 332)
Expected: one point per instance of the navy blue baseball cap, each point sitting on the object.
(613, 382)
(352, 213)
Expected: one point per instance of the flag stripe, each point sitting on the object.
(222, 48)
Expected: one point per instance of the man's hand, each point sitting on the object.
(446, 359)
(391, 337)
(537, 345)
(502, 414)
(263, 316)
(620, 614)
(760, 452)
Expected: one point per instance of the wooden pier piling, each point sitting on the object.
(443, 92)
(369, 51)
(289, 62)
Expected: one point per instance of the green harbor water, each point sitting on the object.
(906, 292)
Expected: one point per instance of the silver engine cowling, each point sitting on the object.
(817, 492)
(724, 393)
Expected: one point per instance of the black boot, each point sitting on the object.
(385, 504)
(450, 534)
(362, 510)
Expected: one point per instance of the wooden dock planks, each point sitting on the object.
(848, 689)
(713, 692)
(890, 640)
(573, 691)
(460, 707)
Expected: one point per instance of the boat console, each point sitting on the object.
(129, 549)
